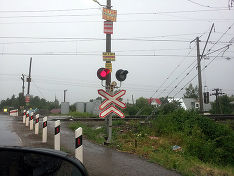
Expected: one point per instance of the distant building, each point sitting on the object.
(65, 108)
(190, 103)
(90, 107)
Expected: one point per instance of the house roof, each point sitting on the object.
(154, 100)
(55, 111)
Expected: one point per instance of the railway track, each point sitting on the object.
(216, 117)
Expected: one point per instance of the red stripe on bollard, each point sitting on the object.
(44, 124)
(57, 130)
(78, 141)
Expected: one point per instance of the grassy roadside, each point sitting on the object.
(156, 146)
(81, 114)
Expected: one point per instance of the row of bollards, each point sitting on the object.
(29, 121)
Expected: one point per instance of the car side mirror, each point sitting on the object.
(17, 161)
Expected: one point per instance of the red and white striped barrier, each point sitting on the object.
(27, 119)
(78, 144)
(24, 116)
(44, 130)
(14, 112)
(37, 124)
(31, 121)
(57, 135)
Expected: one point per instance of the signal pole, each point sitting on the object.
(217, 93)
(29, 76)
(22, 78)
(64, 95)
(108, 49)
(108, 82)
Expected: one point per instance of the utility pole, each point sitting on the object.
(199, 75)
(132, 100)
(217, 92)
(64, 95)
(29, 76)
(108, 82)
(22, 78)
(199, 58)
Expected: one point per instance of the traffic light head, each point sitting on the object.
(206, 97)
(121, 75)
(102, 73)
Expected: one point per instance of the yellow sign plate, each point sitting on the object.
(107, 56)
(109, 66)
(109, 14)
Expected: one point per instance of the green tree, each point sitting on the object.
(143, 106)
(169, 107)
(191, 92)
(73, 108)
(223, 105)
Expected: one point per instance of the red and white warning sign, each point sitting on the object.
(109, 110)
(109, 100)
(27, 98)
(108, 27)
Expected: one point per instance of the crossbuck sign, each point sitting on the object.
(110, 100)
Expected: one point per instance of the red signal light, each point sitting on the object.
(102, 73)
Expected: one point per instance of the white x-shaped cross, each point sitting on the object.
(111, 99)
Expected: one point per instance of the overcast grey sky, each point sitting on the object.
(151, 40)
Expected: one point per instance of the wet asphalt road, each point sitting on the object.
(7, 136)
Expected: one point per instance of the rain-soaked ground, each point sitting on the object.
(99, 160)
(7, 136)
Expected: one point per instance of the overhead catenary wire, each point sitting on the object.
(90, 54)
(177, 66)
(199, 4)
(48, 10)
(221, 37)
(84, 9)
(197, 73)
(120, 21)
(205, 55)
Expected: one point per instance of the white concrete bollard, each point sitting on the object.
(78, 144)
(37, 124)
(31, 121)
(44, 131)
(24, 116)
(27, 119)
(57, 135)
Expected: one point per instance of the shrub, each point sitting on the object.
(202, 137)
(81, 114)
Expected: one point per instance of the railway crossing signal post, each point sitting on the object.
(109, 16)
(108, 80)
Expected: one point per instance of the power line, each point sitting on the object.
(49, 10)
(136, 13)
(221, 37)
(38, 89)
(180, 74)
(90, 54)
(202, 5)
(120, 21)
(197, 73)
(207, 52)
(116, 39)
